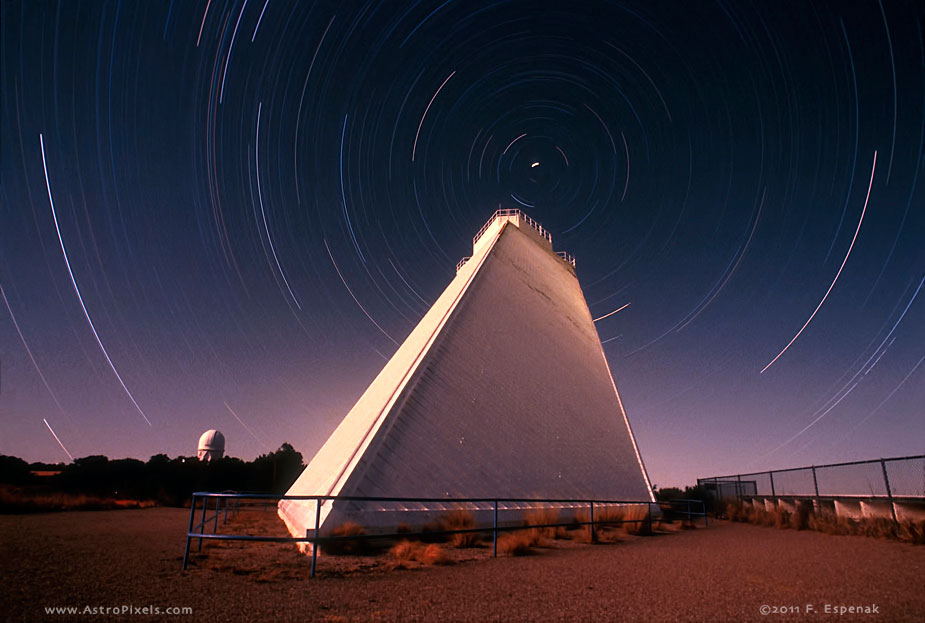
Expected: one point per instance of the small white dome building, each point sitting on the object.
(211, 446)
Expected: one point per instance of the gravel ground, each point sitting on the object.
(722, 573)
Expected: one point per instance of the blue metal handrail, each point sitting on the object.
(198, 531)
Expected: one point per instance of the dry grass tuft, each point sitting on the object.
(913, 531)
(674, 525)
(607, 525)
(342, 547)
(460, 519)
(19, 500)
(609, 516)
(434, 555)
(800, 519)
(804, 518)
(518, 543)
(545, 516)
(735, 512)
(411, 554)
(781, 518)
(582, 530)
(637, 520)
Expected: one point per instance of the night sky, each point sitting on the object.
(228, 214)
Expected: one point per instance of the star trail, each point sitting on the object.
(226, 214)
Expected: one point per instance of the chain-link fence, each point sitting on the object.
(893, 478)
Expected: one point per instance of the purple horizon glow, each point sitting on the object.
(212, 231)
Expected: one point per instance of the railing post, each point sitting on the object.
(817, 505)
(189, 530)
(315, 542)
(593, 537)
(889, 494)
(773, 492)
(218, 502)
(202, 521)
(494, 533)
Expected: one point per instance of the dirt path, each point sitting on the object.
(723, 573)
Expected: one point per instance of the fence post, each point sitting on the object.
(218, 503)
(593, 537)
(773, 492)
(202, 521)
(315, 542)
(889, 494)
(739, 488)
(494, 533)
(817, 505)
(189, 530)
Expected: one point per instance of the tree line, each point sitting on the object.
(166, 481)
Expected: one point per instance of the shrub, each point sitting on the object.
(460, 519)
(637, 520)
(402, 554)
(913, 531)
(545, 516)
(800, 519)
(342, 547)
(406, 553)
(735, 512)
(434, 555)
(607, 520)
(805, 518)
(580, 520)
(517, 543)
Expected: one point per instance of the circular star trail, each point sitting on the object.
(229, 214)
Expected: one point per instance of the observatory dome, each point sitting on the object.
(211, 445)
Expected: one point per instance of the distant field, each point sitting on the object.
(33, 499)
(111, 559)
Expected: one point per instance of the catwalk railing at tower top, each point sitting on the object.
(512, 212)
(522, 217)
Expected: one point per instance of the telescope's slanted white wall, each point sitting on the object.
(501, 391)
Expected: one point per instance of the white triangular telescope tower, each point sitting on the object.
(502, 390)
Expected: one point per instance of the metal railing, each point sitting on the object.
(512, 212)
(230, 502)
(516, 212)
(896, 479)
(688, 509)
(567, 257)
